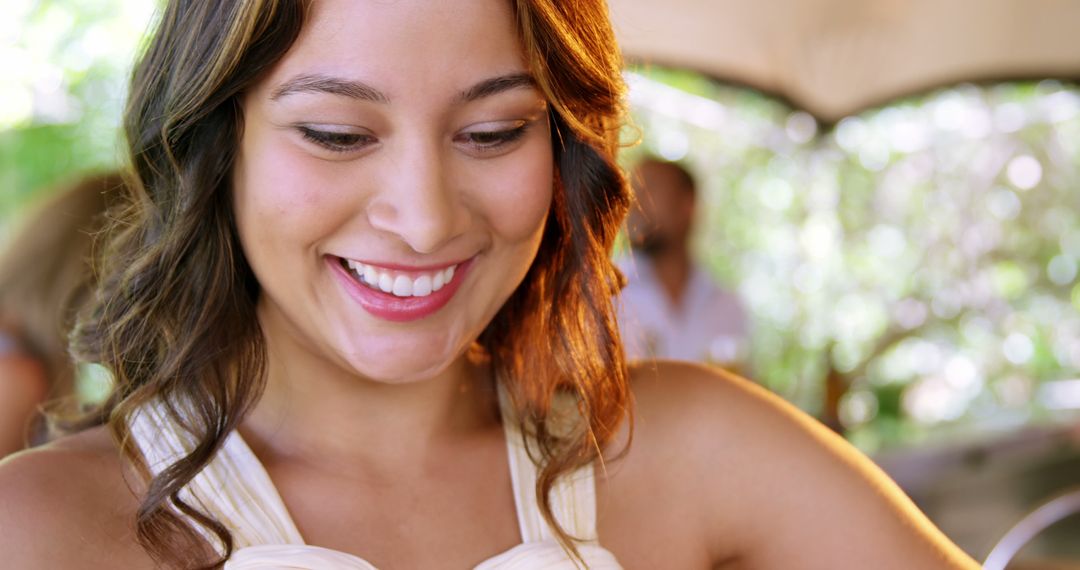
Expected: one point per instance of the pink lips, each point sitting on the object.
(397, 309)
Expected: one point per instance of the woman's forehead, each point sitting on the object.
(405, 47)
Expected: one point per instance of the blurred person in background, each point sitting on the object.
(44, 277)
(671, 307)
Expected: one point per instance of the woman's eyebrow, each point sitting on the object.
(489, 87)
(307, 83)
(332, 85)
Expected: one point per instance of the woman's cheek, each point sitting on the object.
(290, 188)
(521, 196)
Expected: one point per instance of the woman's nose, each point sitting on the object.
(417, 200)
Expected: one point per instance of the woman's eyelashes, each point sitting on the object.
(482, 142)
(494, 141)
(337, 141)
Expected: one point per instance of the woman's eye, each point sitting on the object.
(495, 140)
(337, 141)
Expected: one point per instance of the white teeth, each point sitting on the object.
(399, 284)
(422, 286)
(403, 286)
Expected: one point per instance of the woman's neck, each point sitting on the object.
(313, 411)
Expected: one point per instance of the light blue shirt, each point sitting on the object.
(709, 325)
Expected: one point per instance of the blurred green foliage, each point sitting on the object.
(64, 67)
(923, 255)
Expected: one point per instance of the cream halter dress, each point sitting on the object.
(235, 489)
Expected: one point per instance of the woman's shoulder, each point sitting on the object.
(735, 430)
(751, 476)
(687, 401)
(742, 444)
(69, 504)
(681, 464)
(62, 475)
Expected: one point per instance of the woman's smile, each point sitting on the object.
(401, 281)
(398, 293)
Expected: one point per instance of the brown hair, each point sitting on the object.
(45, 277)
(174, 319)
(687, 182)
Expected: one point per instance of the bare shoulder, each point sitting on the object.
(68, 504)
(716, 435)
(720, 414)
(760, 483)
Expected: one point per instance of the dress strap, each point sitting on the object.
(573, 497)
(234, 488)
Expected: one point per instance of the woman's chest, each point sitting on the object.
(454, 520)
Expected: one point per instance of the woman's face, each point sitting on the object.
(393, 179)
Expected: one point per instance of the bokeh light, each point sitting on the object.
(925, 252)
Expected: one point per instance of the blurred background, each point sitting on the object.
(891, 189)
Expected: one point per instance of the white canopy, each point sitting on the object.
(834, 58)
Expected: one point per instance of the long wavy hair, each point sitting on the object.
(174, 315)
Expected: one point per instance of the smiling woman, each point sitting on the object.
(358, 311)
(440, 165)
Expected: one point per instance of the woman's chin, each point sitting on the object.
(407, 370)
(402, 358)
